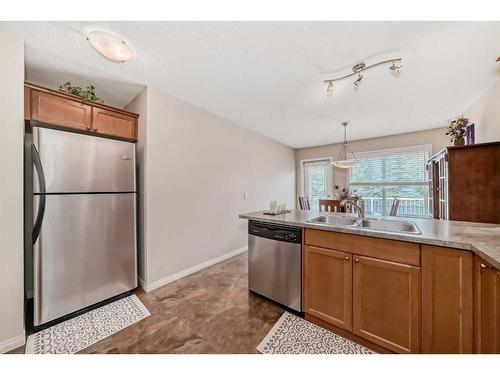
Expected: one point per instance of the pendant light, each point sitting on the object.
(342, 161)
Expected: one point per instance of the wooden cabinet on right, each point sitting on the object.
(114, 123)
(446, 300)
(486, 307)
(463, 183)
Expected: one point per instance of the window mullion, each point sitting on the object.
(384, 195)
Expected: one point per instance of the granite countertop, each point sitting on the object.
(482, 239)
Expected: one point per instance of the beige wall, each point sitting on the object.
(485, 113)
(197, 167)
(11, 188)
(434, 137)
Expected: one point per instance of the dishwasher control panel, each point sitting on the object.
(276, 232)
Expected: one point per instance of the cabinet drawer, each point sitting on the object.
(114, 123)
(392, 250)
(61, 111)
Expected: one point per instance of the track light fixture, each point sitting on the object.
(361, 67)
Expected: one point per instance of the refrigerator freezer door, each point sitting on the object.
(76, 163)
(85, 252)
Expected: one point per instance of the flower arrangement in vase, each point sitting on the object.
(346, 193)
(457, 129)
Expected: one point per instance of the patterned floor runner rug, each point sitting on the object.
(84, 330)
(294, 335)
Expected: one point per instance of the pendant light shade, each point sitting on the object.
(342, 161)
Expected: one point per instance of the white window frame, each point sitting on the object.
(424, 182)
(329, 171)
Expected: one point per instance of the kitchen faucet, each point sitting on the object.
(353, 204)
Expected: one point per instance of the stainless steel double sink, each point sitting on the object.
(379, 225)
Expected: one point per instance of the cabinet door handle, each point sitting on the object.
(88, 128)
(346, 258)
(95, 129)
(485, 267)
(356, 260)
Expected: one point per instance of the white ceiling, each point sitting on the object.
(267, 76)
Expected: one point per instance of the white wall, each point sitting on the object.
(485, 113)
(11, 189)
(197, 167)
(434, 137)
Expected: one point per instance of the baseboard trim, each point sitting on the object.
(142, 284)
(10, 344)
(176, 276)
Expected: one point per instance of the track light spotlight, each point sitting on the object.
(357, 82)
(395, 67)
(329, 89)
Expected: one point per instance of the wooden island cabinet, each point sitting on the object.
(330, 301)
(369, 287)
(58, 109)
(447, 300)
(386, 305)
(486, 307)
(401, 297)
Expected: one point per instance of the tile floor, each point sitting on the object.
(210, 311)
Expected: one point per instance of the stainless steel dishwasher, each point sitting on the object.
(275, 262)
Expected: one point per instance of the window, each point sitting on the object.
(381, 176)
(317, 178)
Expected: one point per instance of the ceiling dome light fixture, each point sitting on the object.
(110, 46)
(342, 161)
(361, 67)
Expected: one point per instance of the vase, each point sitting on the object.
(459, 142)
(469, 134)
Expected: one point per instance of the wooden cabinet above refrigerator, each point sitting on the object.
(59, 109)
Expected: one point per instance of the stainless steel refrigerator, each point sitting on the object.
(83, 219)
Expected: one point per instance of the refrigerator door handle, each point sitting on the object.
(41, 203)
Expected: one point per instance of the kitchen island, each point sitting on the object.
(432, 291)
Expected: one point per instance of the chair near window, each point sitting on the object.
(330, 205)
(394, 208)
(304, 203)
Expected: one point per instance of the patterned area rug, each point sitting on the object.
(294, 335)
(79, 332)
